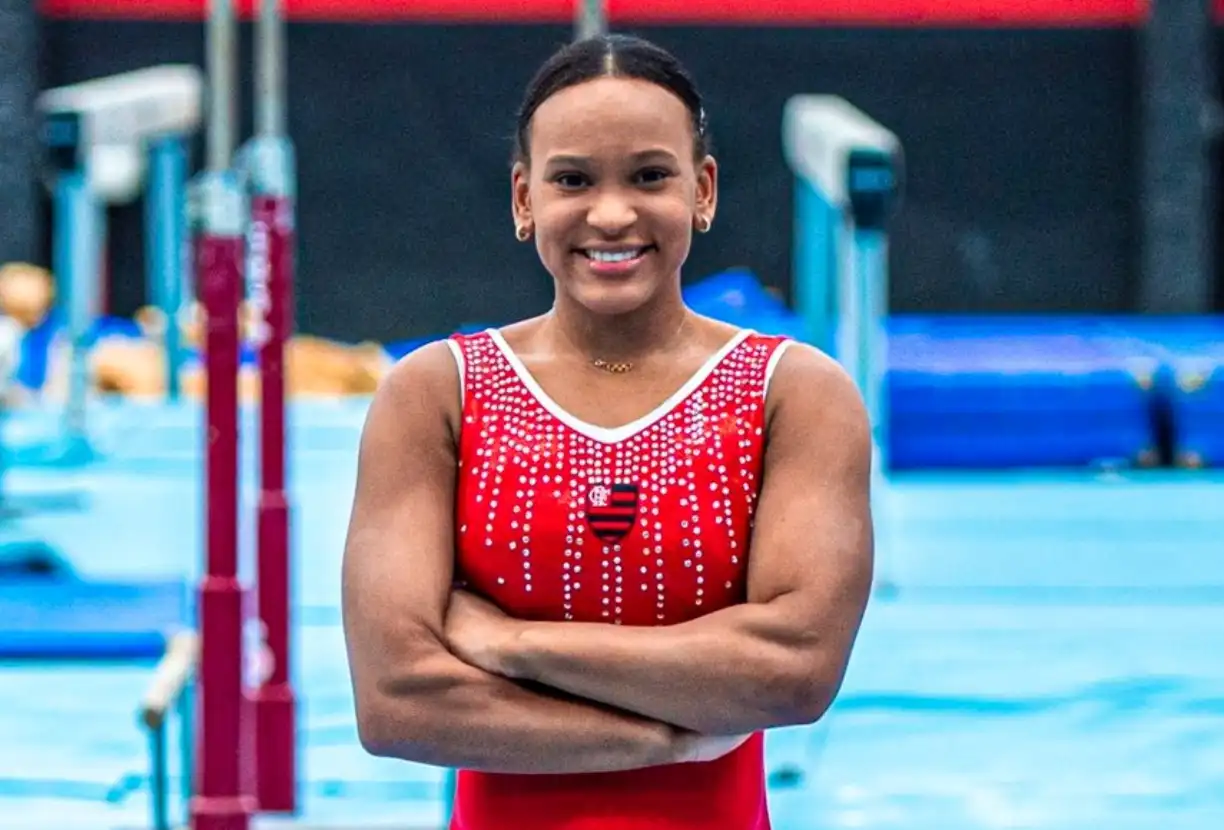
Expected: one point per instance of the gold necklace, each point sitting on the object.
(620, 367)
(616, 367)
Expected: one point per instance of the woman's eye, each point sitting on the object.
(654, 175)
(569, 181)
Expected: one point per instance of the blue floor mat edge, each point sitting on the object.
(68, 619)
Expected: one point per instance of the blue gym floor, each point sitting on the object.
(1052, 658)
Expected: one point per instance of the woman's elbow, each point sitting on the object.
(812, 686)
(374, 730)
(384, 724)
(391, 718)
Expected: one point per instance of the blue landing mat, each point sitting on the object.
(69, 619)
(1001, 396)
(1191, 352)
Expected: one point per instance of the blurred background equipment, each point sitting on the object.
(271, 243)
(590, 19)
(1001, 216)
(106, 140)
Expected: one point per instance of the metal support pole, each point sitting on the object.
(590, 19)
(77, 260)
(223, 800)
(270, 87)
(222, 43)
(816, 262)
(270, 175)
(871, 286)
(165, 226)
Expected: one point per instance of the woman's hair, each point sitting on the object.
(615, 56)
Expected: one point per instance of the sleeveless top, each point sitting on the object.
(643, 524)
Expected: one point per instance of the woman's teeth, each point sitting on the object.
(615, 256)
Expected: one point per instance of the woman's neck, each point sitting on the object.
(631, 336)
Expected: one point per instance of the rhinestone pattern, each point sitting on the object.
(556, 522)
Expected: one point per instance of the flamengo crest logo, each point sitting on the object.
(611, 510)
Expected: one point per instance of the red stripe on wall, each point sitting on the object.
(754, 12)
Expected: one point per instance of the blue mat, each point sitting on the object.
(1019, 392)
(1191, 382)
(69, 619)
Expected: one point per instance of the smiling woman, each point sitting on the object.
(595, 554)
(612, 175)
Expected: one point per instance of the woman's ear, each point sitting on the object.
(520, 200)
(706, 202)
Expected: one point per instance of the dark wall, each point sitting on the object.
(1020, 150)
(1218, 175)
(18, 131)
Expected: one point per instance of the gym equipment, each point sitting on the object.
(224, 799)
(848, 172)
(63, 618)
(1189, 386)
(170, 694)
(268, 166)
(969, 392)
(243, 207)
(105, 138)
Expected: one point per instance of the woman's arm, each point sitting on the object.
(414, 699)
(778, 659)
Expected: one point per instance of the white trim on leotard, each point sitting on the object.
(773, 364)
(612, 435)
(457, 352)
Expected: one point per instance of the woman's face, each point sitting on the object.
(612, 191)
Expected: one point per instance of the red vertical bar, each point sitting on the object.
(220, 803)
(273, 237)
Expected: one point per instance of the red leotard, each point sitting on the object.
(645, 524)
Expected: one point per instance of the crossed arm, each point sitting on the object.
(436, 674)
(778, 659)
(414, 699)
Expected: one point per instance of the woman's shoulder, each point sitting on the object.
(806, 379)
(431, 364)
(421, 387)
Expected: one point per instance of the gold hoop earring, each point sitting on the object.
(522, 233)
(703, 224)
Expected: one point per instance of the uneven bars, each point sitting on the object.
(271, 236)
(224, 799)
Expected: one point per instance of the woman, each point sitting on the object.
(661, 523)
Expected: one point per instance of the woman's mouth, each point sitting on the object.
(615, 260)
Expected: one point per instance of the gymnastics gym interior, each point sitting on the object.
(1002, 217)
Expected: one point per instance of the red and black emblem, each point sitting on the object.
(612, 510)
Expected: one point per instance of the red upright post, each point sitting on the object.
(271, 175)
(220, 802)
(272, 235)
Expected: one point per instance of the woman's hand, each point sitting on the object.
(696, 748)
(478, 633)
